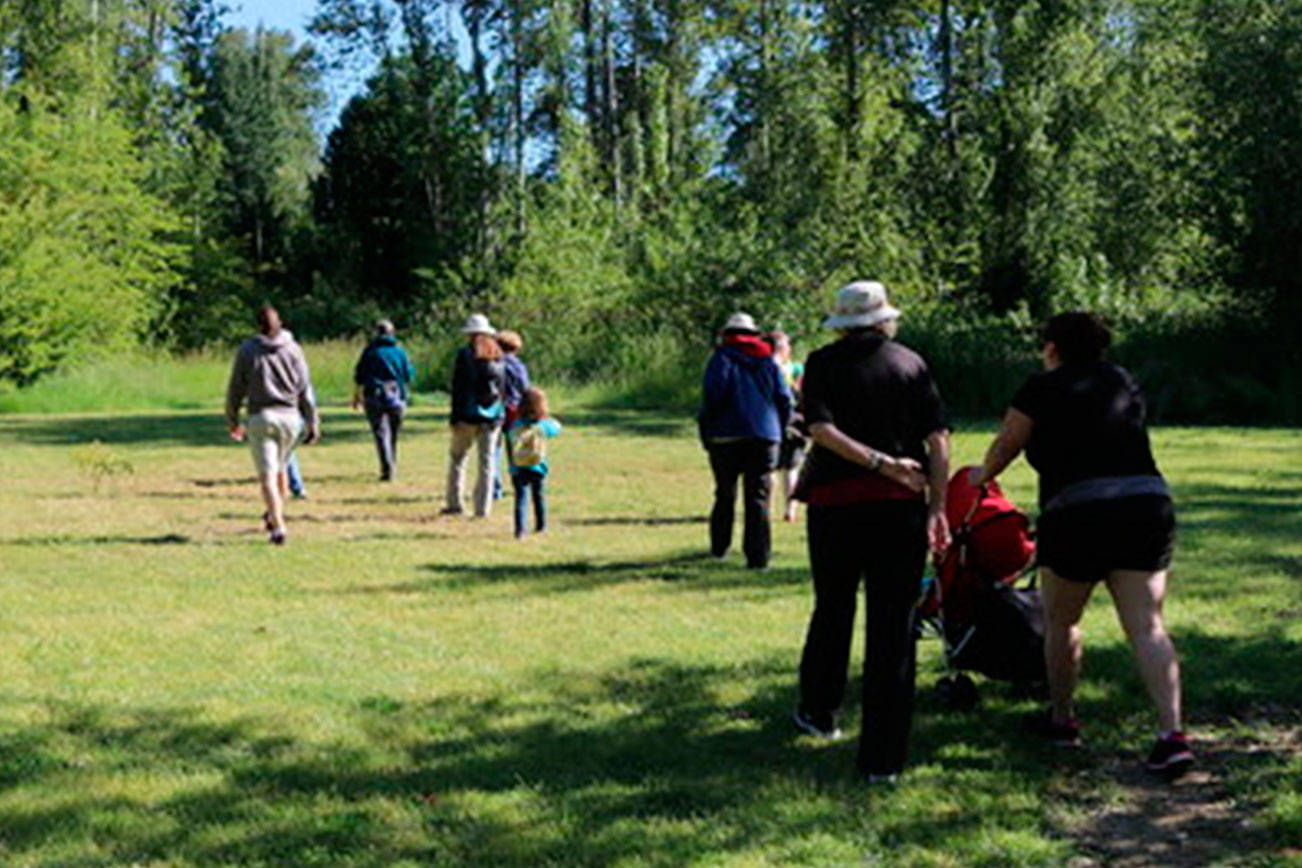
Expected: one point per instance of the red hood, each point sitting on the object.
(752, 345)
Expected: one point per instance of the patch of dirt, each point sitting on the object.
(1194, 822)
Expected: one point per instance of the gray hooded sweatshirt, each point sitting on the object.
(271, 373)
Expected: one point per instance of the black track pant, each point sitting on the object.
(884, 543)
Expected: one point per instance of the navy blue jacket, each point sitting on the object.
(745, 396)
(383, 361)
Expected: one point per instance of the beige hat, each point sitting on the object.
(478, 324)
(740, 322)
(860, 304)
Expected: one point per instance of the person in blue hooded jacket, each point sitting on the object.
(744, 412)
(383, 378)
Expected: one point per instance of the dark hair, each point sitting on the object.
(533, 404)
(1078, 335)
(268, 319)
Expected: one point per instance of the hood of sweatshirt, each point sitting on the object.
(282, 338)
(750, 350)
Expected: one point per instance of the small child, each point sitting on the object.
(528, 436)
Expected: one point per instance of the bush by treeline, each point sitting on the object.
(612, 177)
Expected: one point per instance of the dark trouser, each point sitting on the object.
(385, 424)
(525, 482)
(884, 543)
(753, 461)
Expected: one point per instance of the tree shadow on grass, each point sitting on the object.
(179, 429)
(643, 762)
(636, 423)
(167, 539)
(637, 520)
(691, 570)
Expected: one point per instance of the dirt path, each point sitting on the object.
(1195, 822)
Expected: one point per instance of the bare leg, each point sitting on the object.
(789, 477)
(1064, 601)
(273, 497)
(1138, 597)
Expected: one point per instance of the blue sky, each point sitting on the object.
(294, 15)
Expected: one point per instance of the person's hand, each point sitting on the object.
(976, 477)
(312, 435)
(938, 531)
(905, 471)
(237, 433)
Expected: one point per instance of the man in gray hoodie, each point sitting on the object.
(271, 374)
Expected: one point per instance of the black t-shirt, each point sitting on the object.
(1089, 423)
(876, 391)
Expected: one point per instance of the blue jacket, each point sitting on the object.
(745, 396)
(517, 380)
(384, 361)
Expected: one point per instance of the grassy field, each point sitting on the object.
(396, 688)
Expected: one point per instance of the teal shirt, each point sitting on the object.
(549, 428)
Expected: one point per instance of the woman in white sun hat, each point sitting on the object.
(477, 380)
(875, 485)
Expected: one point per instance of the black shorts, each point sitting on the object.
(1084, 542)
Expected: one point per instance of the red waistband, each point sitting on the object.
(857, 489)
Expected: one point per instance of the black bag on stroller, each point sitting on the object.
(986, 623)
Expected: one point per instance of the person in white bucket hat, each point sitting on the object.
(478, 379)
(875, 488)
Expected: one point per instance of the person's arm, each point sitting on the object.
(307, 402)
(905, 471)
(1012, 438)
(236, 390)
(937, 482)
(784, 399)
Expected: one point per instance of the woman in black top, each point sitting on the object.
(1105, 515)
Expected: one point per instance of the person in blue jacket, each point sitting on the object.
(383, 386)
(744, 412)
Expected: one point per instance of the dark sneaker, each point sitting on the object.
(266, 522)
(451, 510)
(818, 725)
(1065, 734)
(277, 537)
(1170, 756)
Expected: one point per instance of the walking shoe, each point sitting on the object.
(277, 537)
(266, 522)
(818, 725)
(1170, 756)
(1042, 724)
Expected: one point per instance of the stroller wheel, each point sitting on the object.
(958, 693)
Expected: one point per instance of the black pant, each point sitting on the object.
(885, 544)
(386, 422)
(753, 460)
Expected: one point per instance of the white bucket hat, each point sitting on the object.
(740, 322)
(861, 304)
(478, 324)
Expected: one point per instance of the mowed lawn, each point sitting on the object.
(397, 688)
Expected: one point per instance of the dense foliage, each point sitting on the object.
(613, 176)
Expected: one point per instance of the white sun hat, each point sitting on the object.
(741, 322)
(478, 324)
(860, 304)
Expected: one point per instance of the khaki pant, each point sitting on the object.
(464, 434)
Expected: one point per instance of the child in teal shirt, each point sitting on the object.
(529, 435)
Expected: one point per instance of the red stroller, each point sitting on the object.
(985, 622)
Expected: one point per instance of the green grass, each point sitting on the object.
(395, 688)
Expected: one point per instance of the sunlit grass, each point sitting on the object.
(399, 688)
